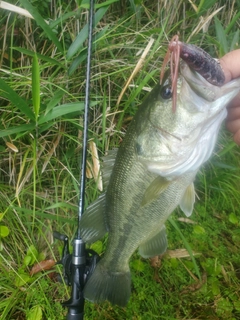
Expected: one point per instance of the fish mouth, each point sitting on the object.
(199, 84)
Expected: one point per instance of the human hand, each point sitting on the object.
(231, 67)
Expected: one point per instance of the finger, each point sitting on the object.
(236, 137)
(233, 112)
(233, 126)
(235, 102)
(231, 65)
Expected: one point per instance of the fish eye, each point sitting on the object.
(166, 92)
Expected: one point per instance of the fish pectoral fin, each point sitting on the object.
(92, 223)
(154, 190)
(155, 245)
(188, 200)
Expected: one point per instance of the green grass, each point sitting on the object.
(39, 186)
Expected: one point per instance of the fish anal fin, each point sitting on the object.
(187, 201)
(155, 245)
(157, 186)
(92, 224)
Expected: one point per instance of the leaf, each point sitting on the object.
(8, 93)
(63, 109)
(215, 287)
(50, 216)
(224, 308)
(76, 62)
(221, 36)
(42, 266)
(33, 253)
(41, 256)
(85, 4)
(233, 218)
(83, 34)
(17, 129)
(61, 19)
(27, 260)
(22, 279)
(54, 100)
(138, 265)
(83, 54)
(212, 267)
(97, 246)
(39, 56)
(174, 263)
(4, 231)
(233, 22)
(237, 305)
(35, 313)
(198, 229)
(35, 86)
(41, 22)
(11, 146)
(180, 253)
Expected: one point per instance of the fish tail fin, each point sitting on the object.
(104, 284)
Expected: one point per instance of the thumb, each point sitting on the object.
(230, 64)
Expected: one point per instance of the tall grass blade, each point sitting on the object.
(7, 6)
(221, 36)
(227, 148)
(8, 93)
(35, 86)
(60, 20)
(17, 129)
(235, 41)
(62, 110)
(83, 34)
(98, 5)
(83, 55)
(204, 5)
(41, 22)
(54, 101)
(187, 246)
(232, 23)
(39, 56)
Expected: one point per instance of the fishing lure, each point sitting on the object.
(196, 58)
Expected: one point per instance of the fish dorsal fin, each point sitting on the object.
(188, 200)
(155, 245)
(92, 224)
(156, 187)
(107, 166)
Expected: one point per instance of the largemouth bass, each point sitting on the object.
(151, 175)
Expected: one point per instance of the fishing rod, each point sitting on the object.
(78, 266)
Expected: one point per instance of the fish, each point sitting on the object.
(152, 173)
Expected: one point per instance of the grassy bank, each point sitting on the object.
(41, 143)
